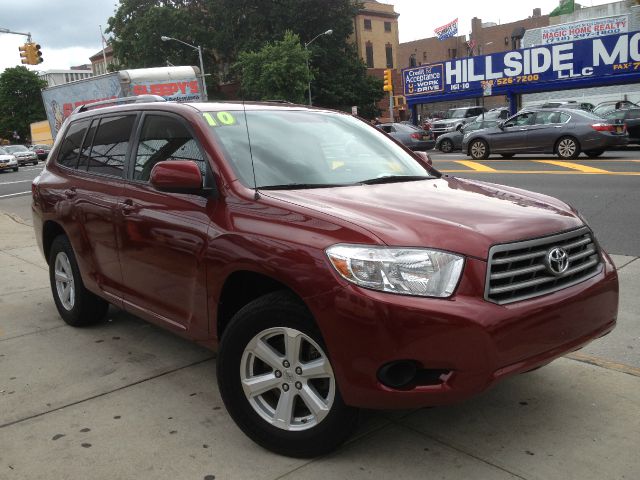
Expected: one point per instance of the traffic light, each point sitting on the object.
(37, 54)
(24, 53)
(388, 81)
(30, 53)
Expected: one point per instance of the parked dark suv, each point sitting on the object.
(330, 267)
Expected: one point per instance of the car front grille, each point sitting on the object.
(522, 270)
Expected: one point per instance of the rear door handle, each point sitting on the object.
(128, 206)
(70, 193)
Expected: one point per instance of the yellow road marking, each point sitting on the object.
(478, 167)
(546, 172)
(573, 166)
(601, 362)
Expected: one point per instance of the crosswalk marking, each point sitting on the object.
(478, 167)
(573, 166)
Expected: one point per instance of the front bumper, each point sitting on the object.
(477, 342)
(8, 165)
(25, 160)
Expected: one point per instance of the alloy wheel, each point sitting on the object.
(65, 285)
(478, 149)
(287, 379)
(567, 148)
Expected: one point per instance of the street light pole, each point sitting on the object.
(205, 97)
(306, 45)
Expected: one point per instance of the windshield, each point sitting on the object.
(16, 148)
(294, 148)
(3, 152)
(458, 113)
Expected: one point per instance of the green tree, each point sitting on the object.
(136, 28)
(225, 28)
(20, 102)
(278, 71)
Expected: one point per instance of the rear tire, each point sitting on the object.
(593, 153)
(76, 305)
(479, 150)
(446, 146)
(290, 412)
(568, 148)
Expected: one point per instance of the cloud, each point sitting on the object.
(59, 24)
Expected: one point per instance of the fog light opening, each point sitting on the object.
(398, 374)
(407, 374)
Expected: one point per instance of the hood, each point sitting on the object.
(448, 121)
(23, 154)
(6, 158)
(457, 215)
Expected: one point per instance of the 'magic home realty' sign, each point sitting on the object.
(591, 58)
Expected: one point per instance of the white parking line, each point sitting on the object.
(15, 194)
(17, 181)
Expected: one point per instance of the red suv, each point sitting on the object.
(330, 267)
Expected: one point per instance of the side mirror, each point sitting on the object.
(176, 176)
(425, 158)
(500, 125)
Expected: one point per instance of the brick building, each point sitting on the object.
(375, 33)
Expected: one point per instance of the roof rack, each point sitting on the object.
(118, 101)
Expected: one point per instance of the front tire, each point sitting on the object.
(446, 146)
(15, 169)
(568, 148)
(277, 382)
(479, 150)
(76, 305)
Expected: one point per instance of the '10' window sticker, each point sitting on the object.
(219, 119)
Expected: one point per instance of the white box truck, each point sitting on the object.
(182, 84)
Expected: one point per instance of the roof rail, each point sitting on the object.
(118, 101)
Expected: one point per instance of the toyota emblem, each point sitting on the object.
(557, 261)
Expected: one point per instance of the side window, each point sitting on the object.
(564, 118)
(165, 138)
(83, 159)
(546, 118)
(72, 143)
(387, 128)
(110, 145)
(521, 120)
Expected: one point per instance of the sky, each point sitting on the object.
(68, 30)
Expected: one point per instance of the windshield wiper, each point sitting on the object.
(296, 186)
(394, 179)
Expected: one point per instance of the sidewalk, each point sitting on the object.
(125, 399)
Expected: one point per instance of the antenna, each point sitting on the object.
(253, 167)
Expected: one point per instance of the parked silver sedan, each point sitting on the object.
(565, 132)
(22, 154)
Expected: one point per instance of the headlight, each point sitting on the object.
(408, 271)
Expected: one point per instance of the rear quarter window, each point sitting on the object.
(68, 156)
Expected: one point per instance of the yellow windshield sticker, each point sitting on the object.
(221, 118)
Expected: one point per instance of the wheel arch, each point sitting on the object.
(562, 137)
(50, 230)
(242, 287)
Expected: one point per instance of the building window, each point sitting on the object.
(369, 55)
(453, 53)
(389, 51)
(387, 26)
(424, 56)
(367, 24)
